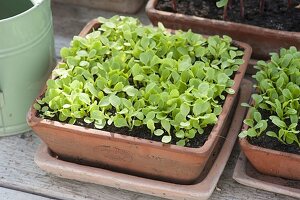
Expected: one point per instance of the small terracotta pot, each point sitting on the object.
(271, 162)
(262, 40)
(133, 155)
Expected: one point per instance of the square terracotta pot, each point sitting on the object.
(271, 162)
(133, 155)
(262, 40)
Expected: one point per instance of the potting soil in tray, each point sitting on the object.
(276, 14)
(272, 143)
(144, 133)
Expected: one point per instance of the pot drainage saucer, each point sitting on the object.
(199, 191)
(246, 174)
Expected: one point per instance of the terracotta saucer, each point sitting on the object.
(200, 190)
(246, 174)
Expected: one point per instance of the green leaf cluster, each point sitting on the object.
(278, 84)
(128, 75)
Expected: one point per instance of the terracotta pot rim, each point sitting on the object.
(32, 120)
(150, 8)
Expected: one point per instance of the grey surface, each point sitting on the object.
(122, 6)
(18, 170)
(69, 20)
(8, 194)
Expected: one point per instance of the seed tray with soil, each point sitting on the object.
(277, 15)
(266, 32)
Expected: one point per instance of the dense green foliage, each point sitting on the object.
(278, 84)
(129, 75)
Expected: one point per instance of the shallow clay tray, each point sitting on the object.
(246, 174)
(200, 190)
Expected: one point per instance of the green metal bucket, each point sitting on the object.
(26, 58)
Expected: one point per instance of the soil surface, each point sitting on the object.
(276, 13)
(144, 133)
(272, 143)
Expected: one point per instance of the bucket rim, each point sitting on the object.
(26, 12)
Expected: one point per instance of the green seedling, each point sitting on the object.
(286, 134)
(256, 125)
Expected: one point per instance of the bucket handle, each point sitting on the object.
(1, 110)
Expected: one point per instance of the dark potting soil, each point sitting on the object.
(144, 133)
(272, 143)
(276, 14)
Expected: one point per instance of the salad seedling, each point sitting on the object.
(256, 125)
(279, 94)
(127, 75)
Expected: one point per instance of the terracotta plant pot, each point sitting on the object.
(133, 155)
(271, 162)
(262, 40)
(123, 6)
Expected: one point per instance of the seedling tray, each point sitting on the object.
(246, 174)
(200, 190)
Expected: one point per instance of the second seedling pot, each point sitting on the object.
(262, 40)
